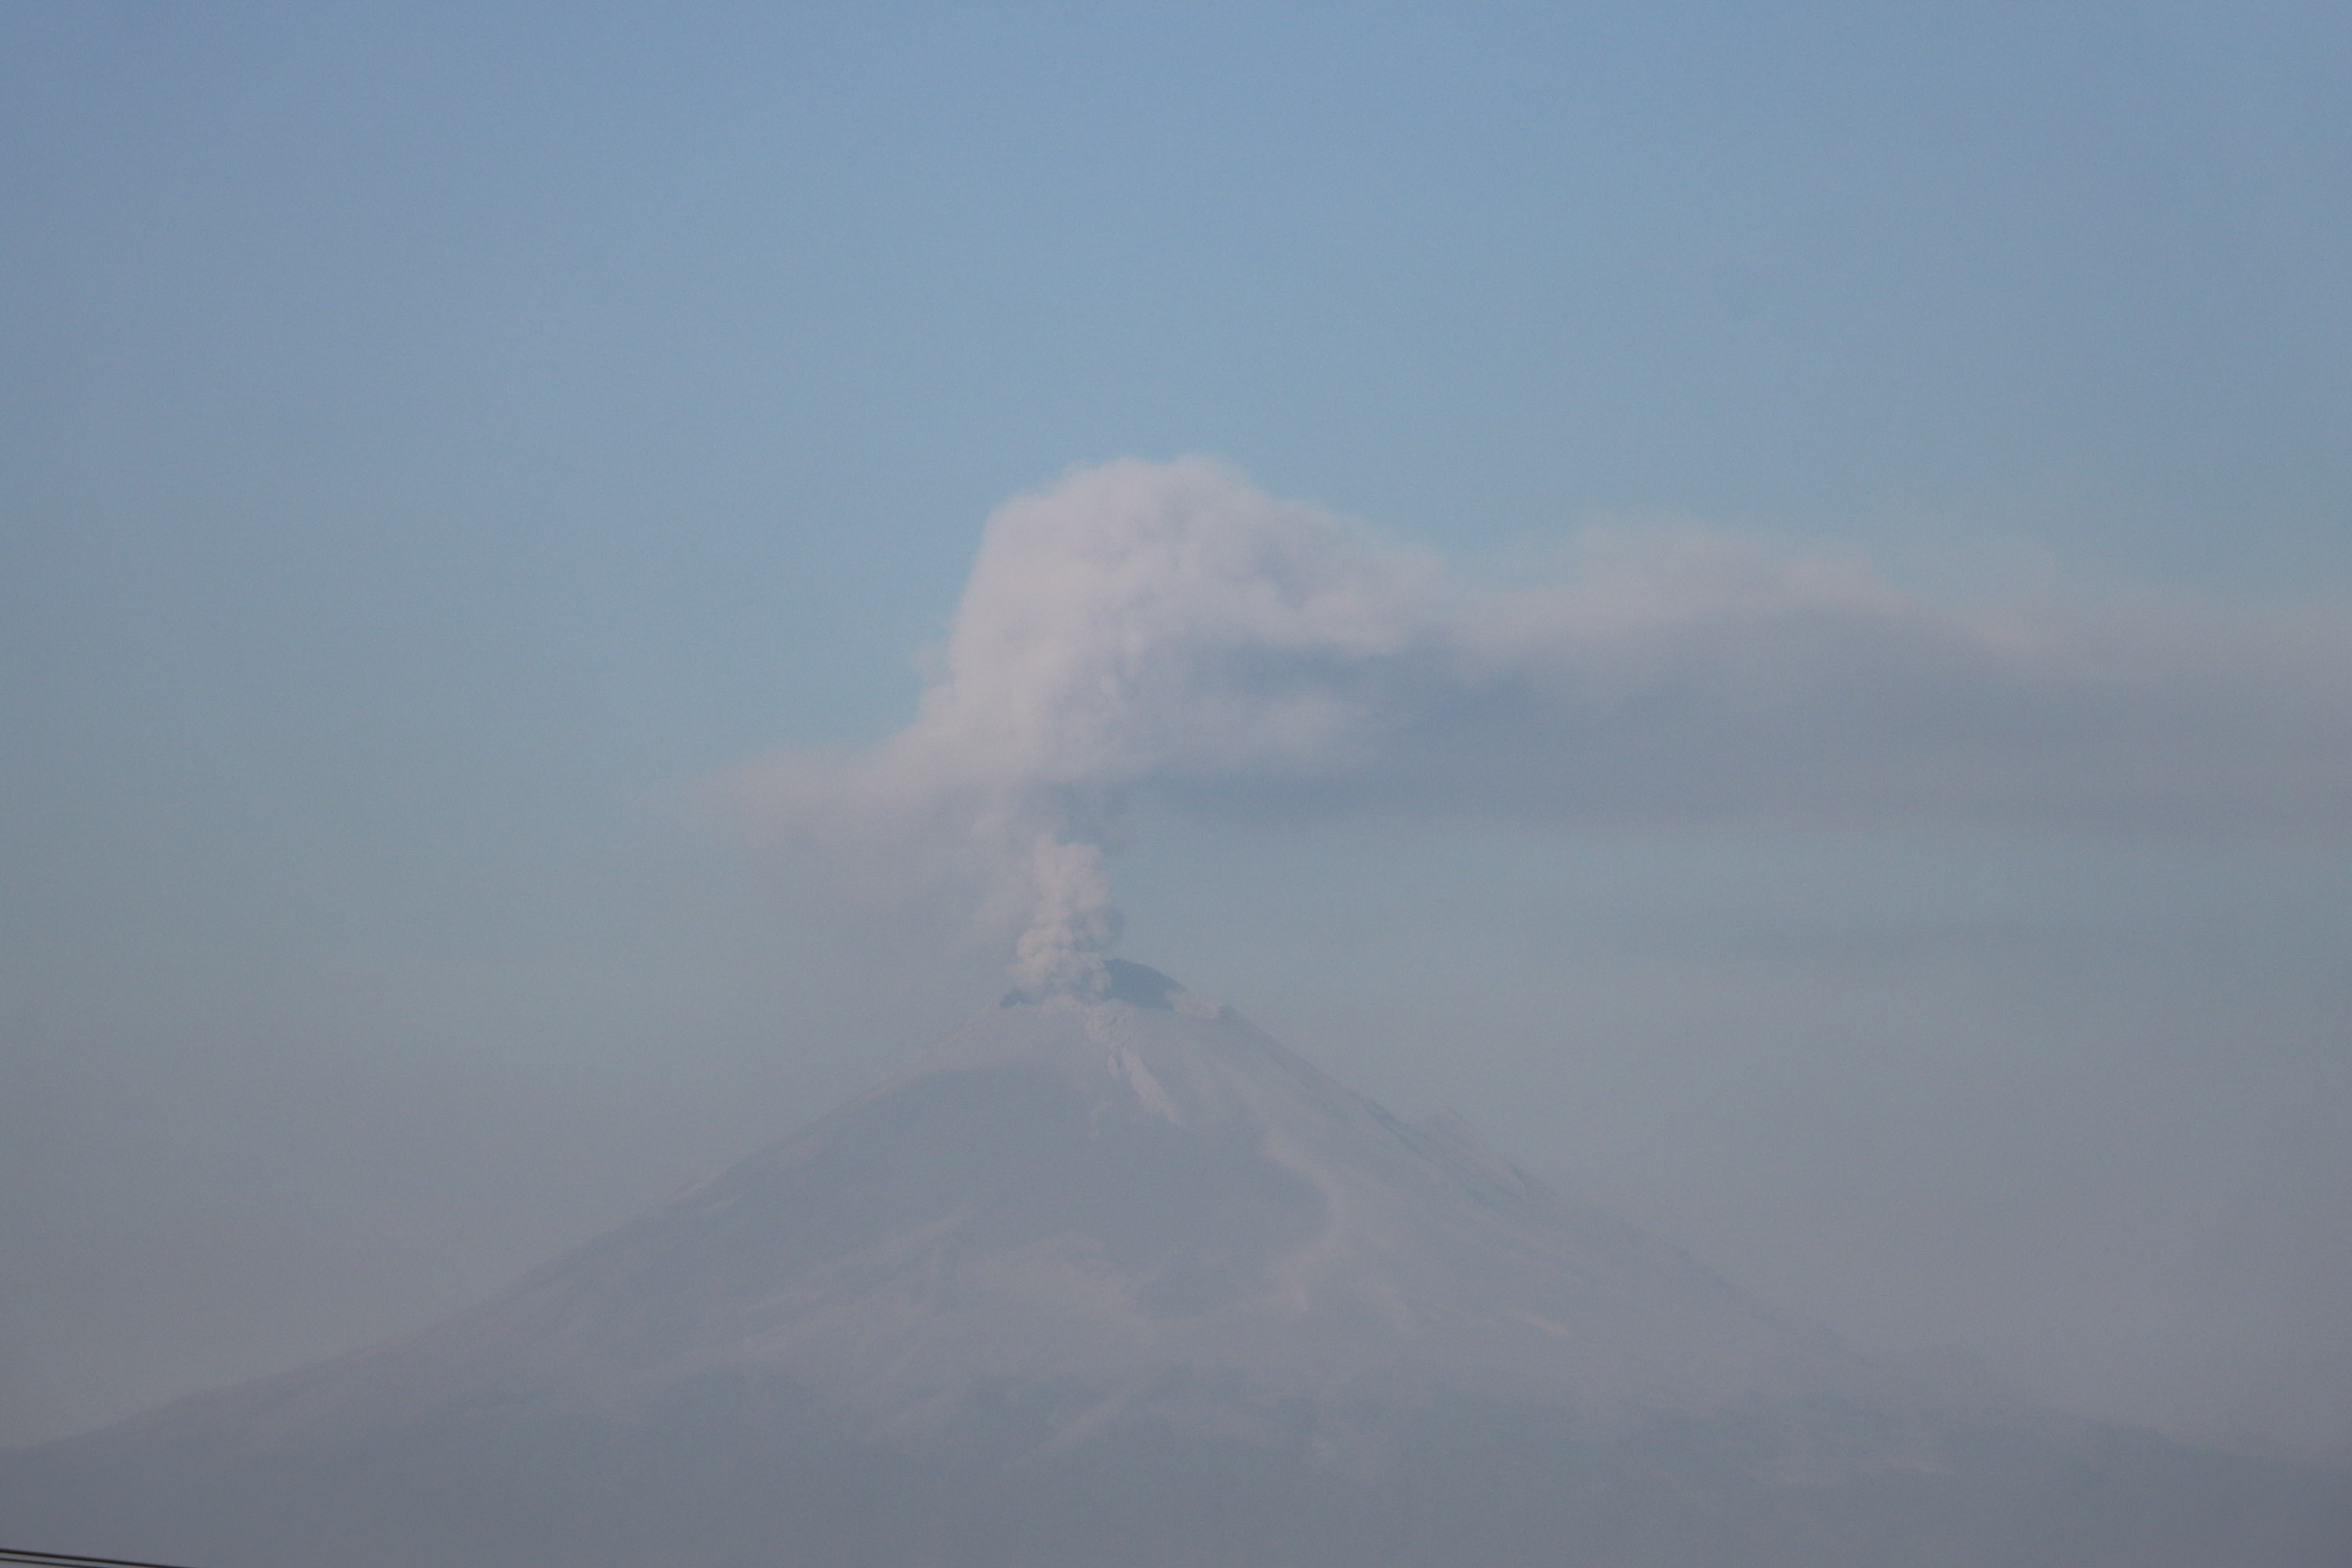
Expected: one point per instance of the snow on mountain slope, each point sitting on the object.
(1122, 1281)
(1124, 1200)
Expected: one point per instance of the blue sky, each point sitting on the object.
(438, 439)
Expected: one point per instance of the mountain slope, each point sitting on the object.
(1123, 1280)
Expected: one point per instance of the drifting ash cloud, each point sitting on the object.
(1166, 634)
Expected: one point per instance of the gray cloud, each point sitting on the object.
(1166, 633)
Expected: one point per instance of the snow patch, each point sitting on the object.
(1146, 1087)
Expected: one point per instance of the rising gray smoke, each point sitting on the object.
(1167, 632)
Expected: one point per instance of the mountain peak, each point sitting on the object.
(1136, 984)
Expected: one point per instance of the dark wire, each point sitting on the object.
(9, 1554)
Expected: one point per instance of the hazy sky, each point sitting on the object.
(1809, 695)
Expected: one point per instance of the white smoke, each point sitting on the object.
(1166, 632)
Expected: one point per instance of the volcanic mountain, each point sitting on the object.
(1120, 1280)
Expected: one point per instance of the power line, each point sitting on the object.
(63, 1559)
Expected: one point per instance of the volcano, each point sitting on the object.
(1120, 1280)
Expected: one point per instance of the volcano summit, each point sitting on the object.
(1122, 1281)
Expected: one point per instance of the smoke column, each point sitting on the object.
(1168, 634)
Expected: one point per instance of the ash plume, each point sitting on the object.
(1168, 635)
